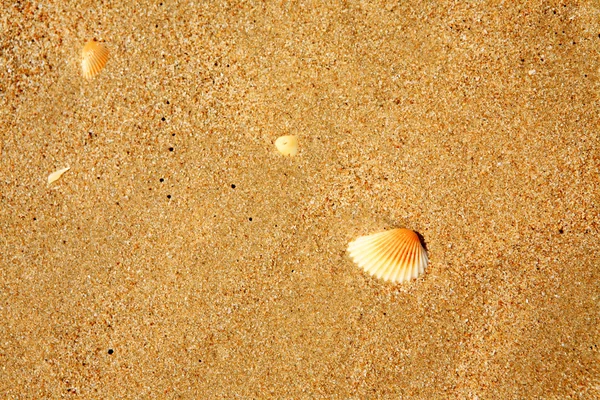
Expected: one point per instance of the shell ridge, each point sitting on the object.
(397, 265)
(395, 244)
(405, 262)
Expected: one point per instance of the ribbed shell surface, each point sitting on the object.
(396, 255)
(93, 58)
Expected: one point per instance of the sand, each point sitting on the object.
(182, 256)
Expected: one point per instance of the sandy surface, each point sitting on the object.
(143, 273)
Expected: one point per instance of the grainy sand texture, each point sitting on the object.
(182, 256)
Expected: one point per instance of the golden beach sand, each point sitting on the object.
(182, 256)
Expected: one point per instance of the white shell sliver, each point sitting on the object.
(396, 255)
(57, 174)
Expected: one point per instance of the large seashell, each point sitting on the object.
(396, 255)
(93, 58)
(287, 145)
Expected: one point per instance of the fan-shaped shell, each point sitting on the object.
(93, 58)
(287, 145)
(396, 255)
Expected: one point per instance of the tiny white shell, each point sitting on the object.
(287, 145)
(57, 174)
(396, 255)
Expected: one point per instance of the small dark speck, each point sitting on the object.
(168, 102)
(168, 196)
(250, 219)
(232, 186)
(163, 119)
(162, 179)
(574, 43)
(522, 60)
(157, 25)
(561, 231)
(34, 218)
(110, 351)
(199, 360)
(170, 149)
(172, 134)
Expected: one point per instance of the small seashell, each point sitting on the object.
(57, 174)
(93, 58)
(396, 255)
(287, 145)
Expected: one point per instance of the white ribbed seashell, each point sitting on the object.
(287, 145)
(396, 255)
(93, 58)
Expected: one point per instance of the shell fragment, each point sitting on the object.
(287, 145)
(57, 174)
